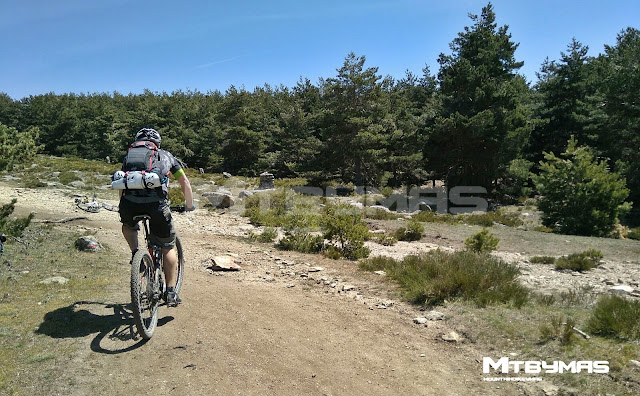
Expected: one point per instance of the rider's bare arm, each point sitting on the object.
(185, 185)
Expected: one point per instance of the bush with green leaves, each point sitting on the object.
(615, 317)
(634, 234)
(542, 259)
(267, 235)
(413, 232)
(345, 230)
(559, 329)
(13, 227)
(583, 261)
(437, 276)
(482, 242)
(384, 239)
(301, 241)
(17, 147)
(579, 194)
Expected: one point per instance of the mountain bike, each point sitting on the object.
(147, 284)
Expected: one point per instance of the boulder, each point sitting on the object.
(621, 289)
(88, 244)
(245, 193)
(266, 181)
(220, 199)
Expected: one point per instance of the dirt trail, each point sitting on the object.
(266, 330)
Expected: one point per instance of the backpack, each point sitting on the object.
(144, 157)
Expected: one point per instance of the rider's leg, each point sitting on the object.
(170, 263)
(131, 236)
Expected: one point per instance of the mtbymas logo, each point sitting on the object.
(506, 366)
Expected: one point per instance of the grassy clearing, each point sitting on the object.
(545, 333)
(27, 343)
(488, 219)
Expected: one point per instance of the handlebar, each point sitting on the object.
(181, 208)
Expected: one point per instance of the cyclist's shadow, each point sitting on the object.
(116, 330)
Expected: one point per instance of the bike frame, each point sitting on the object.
(155, 252)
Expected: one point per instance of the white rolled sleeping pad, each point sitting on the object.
(135, 180)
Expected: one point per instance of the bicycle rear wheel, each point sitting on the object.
(180, 275)
(144, 293)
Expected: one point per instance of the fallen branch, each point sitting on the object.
(582, 333)
(64, 221)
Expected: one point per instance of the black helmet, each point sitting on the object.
(149, 134)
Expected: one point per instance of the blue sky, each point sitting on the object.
(85, 46)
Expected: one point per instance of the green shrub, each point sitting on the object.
(558, 329)
(13, 227)
(385, 239)
(482, 242)
(67, 177)
(32, 182)
(579, 261)
(428, 216)
(380, 214)
(615, 317)
(345, 229)
(300, 241)
(634, 234)
(579, 194)
(413, 232)
(542, 260)
(437, 276)
(267, 235)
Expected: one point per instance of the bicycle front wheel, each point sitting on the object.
(144, 293)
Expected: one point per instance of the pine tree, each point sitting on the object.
(564, 89)
(483, 123)
(580, 195)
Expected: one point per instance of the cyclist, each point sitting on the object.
(153, 202)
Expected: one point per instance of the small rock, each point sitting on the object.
(88, 244)
(621, 289)
(451, 336)
(609, 282)
(245, 193)
(315, 269)
(635, 363)
(223, 263)
(226, 175)
(378, 232)
(55, 279)
(435, 315)
(347, 288)
(420, 320)
(381, 273)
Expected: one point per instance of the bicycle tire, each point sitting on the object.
(180, 274)
(144, 303)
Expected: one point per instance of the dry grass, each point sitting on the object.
(28, 344)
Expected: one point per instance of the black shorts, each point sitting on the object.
(160, 225)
